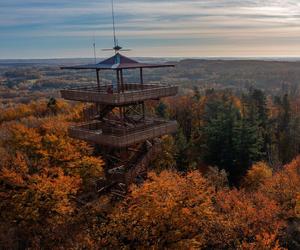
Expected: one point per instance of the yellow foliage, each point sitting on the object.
(165, 158)
(256, 175)
(47, 196)
(40, 109)
(59, 150)
(89, 168)
(57, 126)
(22, 138)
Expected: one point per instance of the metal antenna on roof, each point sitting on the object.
(114, 25)
(116, 47)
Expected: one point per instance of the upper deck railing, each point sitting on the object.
(127, 93)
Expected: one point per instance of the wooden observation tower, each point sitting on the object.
(116, 120)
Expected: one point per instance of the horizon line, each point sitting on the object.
(157, 57)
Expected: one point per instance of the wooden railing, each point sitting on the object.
(133, 93)
(116, 137)
(109, 87)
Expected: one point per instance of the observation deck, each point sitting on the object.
(125, 94)
(110, 134)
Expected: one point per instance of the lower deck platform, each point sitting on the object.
(102, 133)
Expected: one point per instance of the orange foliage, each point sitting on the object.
(48, 194)
(34, 108)
(264, 241)
(284, 187)
(184, 212)
(168, 210)
(247, 215)
(14, 170)
(297, 208)
(41, 172)
(21, 138)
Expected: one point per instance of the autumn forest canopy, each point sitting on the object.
(228, 179)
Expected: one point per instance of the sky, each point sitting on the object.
(156, 28)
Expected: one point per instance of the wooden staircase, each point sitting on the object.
(119, 178)
(97, 111)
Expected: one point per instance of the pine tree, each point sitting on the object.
(231, 137)
(182, 146)
(283, 126)
(217, 133)
(161, 110)
(248, 143)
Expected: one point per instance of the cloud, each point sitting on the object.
(212, 24)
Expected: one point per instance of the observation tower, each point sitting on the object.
(116, 119)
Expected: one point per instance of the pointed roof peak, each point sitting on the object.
(119, 61)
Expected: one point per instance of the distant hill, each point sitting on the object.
(70, 61)
(238, 74)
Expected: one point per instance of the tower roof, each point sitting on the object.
(118, 61)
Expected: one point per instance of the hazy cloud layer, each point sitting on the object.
(40, 28)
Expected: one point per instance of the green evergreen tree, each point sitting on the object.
(284, 133)
(197, 94)
(230, 140)
(248, 144)
(161, 110)
(52, 105)
(182, 147)
(217, 134)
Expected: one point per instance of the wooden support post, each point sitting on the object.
(118, 80)
(141, 77)
(122, 113)
(98, 79)
(122, 80)
(143, 108)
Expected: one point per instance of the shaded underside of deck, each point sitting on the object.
(99, 133)
(129, 94)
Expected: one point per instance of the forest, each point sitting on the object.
(228, 179)
(22, 81)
